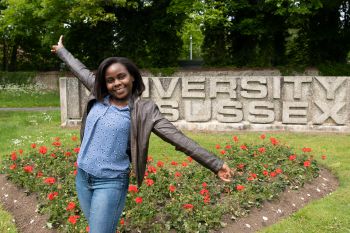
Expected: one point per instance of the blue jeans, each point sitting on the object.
(102, 200)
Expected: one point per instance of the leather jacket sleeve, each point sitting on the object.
(169, 133)
(79, 69)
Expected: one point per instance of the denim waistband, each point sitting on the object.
(118, 174)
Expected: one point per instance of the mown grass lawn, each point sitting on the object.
(19, 97)
(331, 214)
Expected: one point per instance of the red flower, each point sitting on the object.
(149, 182)
(204, 185)
(240, 187)
(13, 166)
(253, 175)
(87, 229)
(292, 157)
(133, 188)
(306, 149)
(173, 163)
(222, 152)
(122, 222)
(75, 164)
(184, 164)
(56, 143)
(71, 205)
(57, 139)
(172, 188)
(187, 206)
(217, 146)
(75, 172)
(149, 159)
(76, 150)
(14, 156)
(68, 153)
(273, 174)
(262, 149)
(263, 136)
(235, 138)
(189, 159)
(160, 164)
(42, 150)
(28, 169)
(53, 155)
(73, 219)
(20, 151)
(273, 141)
(50, 180)
(307, 163)
(152, 169)
(278, 170)
(39, 174)
(138, 200)
(240, 166)
(177, 174)
(206, 199)
(74, 138)
(323, 157)
(244, 147)
(52, 195)
(265, 173)
(33, 145)
(228, 146)
(204, 192)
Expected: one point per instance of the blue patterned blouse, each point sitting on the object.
(103, 152)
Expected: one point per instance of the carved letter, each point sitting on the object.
(329, 110)
(297, 109)
(331, 85)
(145, 93)
(162, 93)
(252, 88)
(229, 111)
(276, 87)
(259, 112)
(187, 86)
(231, 85)
(298, 81)
(169, 109)
(198, 110)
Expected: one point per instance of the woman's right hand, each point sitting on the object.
(59, 45)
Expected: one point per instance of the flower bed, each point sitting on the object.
(176, 195)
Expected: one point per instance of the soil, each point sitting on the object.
(23, 206)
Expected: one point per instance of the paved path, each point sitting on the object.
(36, 109)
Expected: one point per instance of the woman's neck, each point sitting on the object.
(118, 102)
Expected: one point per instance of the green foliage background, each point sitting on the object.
(156, 33)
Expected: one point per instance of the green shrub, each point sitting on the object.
(18, 78)
(334, 69)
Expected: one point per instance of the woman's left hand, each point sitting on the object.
(225, 173)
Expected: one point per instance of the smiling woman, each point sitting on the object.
(117, 80)
(115, 133)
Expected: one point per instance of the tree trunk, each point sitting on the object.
(4, 56)
(13, 62)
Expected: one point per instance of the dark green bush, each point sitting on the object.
(163, 71)
(334, 69)
(19, 78)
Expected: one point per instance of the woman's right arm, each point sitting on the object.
(79, 69)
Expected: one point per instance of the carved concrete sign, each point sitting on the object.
(223, 103)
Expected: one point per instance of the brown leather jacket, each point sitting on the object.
(145, 118)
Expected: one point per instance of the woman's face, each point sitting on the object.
(119, 82)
